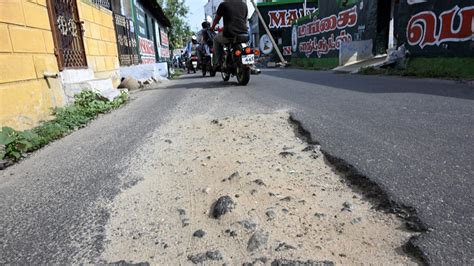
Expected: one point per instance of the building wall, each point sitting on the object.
(145, 36)
(338, 22)
(26, 53)
(427, 28)
(436, 28)
(100, 41)
(279, 18)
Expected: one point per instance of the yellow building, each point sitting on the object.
(45, 57)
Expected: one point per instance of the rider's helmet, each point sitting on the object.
(205, 25)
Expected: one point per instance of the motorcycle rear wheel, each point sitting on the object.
(243, 75)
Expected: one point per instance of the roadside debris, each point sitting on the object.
(199, 233)
(258, 240)
(222, 206)
(261, 199)
(202, 257)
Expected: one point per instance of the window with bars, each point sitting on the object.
(103, 3)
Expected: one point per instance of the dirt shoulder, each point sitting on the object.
(288, 204)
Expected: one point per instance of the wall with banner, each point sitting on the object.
(437, 28)
(126, 40)
(322, 34)
(279, 18)
(144, 29)
(428, 28)
(164, 44)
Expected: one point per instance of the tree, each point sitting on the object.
(176, 11)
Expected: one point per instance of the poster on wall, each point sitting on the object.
(441, 28)
(164, 50)
(279, 19)
(147, 51)
(322, 36)
(164, 38)
(266, 45)
(140, 19)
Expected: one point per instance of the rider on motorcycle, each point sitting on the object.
(192, 46)
(235, 15)
(191, 53)
(205, 37)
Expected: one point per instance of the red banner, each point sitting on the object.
(147, 51)
(146, 47)
(423, 29)
(165, 52)
(164, 39)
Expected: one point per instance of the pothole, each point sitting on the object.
(288, 204)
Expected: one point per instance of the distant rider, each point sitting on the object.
(192, 46)
(206, 38)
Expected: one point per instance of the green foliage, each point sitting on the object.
(176, 11)
(177, 73)
(15, 142)
(316, 63)
(370, 71)
(87, 106)
(449, 68)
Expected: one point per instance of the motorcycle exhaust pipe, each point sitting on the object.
(255, 71)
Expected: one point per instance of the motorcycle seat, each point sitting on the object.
(240, 38)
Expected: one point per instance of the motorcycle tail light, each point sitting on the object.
(248, 50)
(257, 52)
(238, 52)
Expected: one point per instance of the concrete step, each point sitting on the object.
(103, 86)
(357, 66)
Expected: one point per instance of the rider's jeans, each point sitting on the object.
(207, 51)
(219, 42)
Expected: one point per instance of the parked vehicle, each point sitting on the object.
(239, 59)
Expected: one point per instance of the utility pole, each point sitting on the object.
(280, 55)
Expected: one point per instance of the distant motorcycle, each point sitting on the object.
(192, 64)
(207, 52)
(182, 62)
(239, 59)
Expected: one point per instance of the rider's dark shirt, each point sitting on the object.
(235, 17)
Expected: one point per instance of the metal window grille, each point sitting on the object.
(103, 3)
(67, 33)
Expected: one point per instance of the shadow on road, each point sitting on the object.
(378, 84)
(201, 83)
(190, 76)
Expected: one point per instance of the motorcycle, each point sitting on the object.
(207, 49)
(192, 63)
(239, 59)
(182, 62)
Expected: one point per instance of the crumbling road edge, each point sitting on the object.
(372, 191)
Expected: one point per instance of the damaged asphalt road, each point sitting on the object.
(409, 136)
